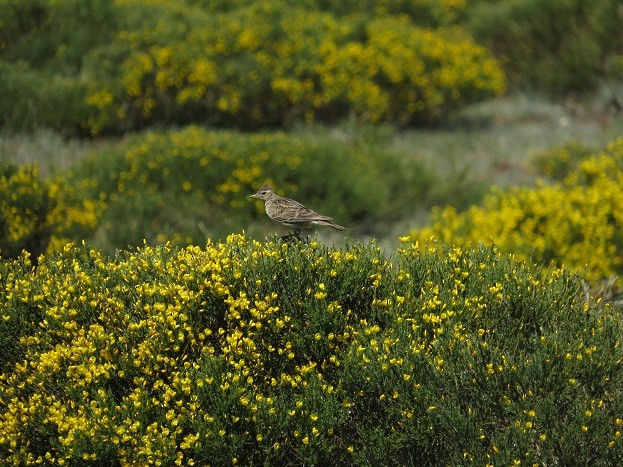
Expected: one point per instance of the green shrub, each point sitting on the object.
(43, 47)
(32, 99)
(272, 353)
(54, 36)
(577, 222)
(558, 47)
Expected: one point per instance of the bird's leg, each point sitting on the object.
(295, 234)
(290, 236)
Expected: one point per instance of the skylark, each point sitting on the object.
(291, 213)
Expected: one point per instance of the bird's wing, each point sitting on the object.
(294, 212)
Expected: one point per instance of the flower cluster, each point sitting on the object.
(245, 353)
(576, 222)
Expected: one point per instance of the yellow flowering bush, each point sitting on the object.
(37, 215)
(103, 66)
(266, 63)
(577, 222)
(269, 353)
(24, 204)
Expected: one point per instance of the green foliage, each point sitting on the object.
(43, 47)
(558, 47)
(32, 99)
(269, 353)
(576, 222)
(54, 36)
(430, 13)
(191, 184)
(24, 317)
(101, 66)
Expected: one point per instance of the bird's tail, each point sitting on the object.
(332, 225)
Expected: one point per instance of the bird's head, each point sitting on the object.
(264, 193)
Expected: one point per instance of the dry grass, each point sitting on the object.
(493, 141)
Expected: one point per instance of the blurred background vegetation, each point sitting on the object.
(153, 120)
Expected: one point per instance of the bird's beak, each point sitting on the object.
(253, 196)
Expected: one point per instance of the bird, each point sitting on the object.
(291, 213)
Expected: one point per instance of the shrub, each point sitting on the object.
(268, 64)
(54, 36)
(270, 353)
(43, 47)
(24, 205)
(37, 215)
(426, 13)
(577, 223)
(558, 47)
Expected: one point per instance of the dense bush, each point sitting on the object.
(250, 353)
(559, 47)
(37, 215)
(577, 222)
(122, 65)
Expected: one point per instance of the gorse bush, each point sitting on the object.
(191, 184)
(243, 64)
(269, 63)
(577, 222)
(89, 68)
(268, 353)
(37, 215)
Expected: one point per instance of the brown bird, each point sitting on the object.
(291, 213)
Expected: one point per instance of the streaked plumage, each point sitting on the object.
(291, 213)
